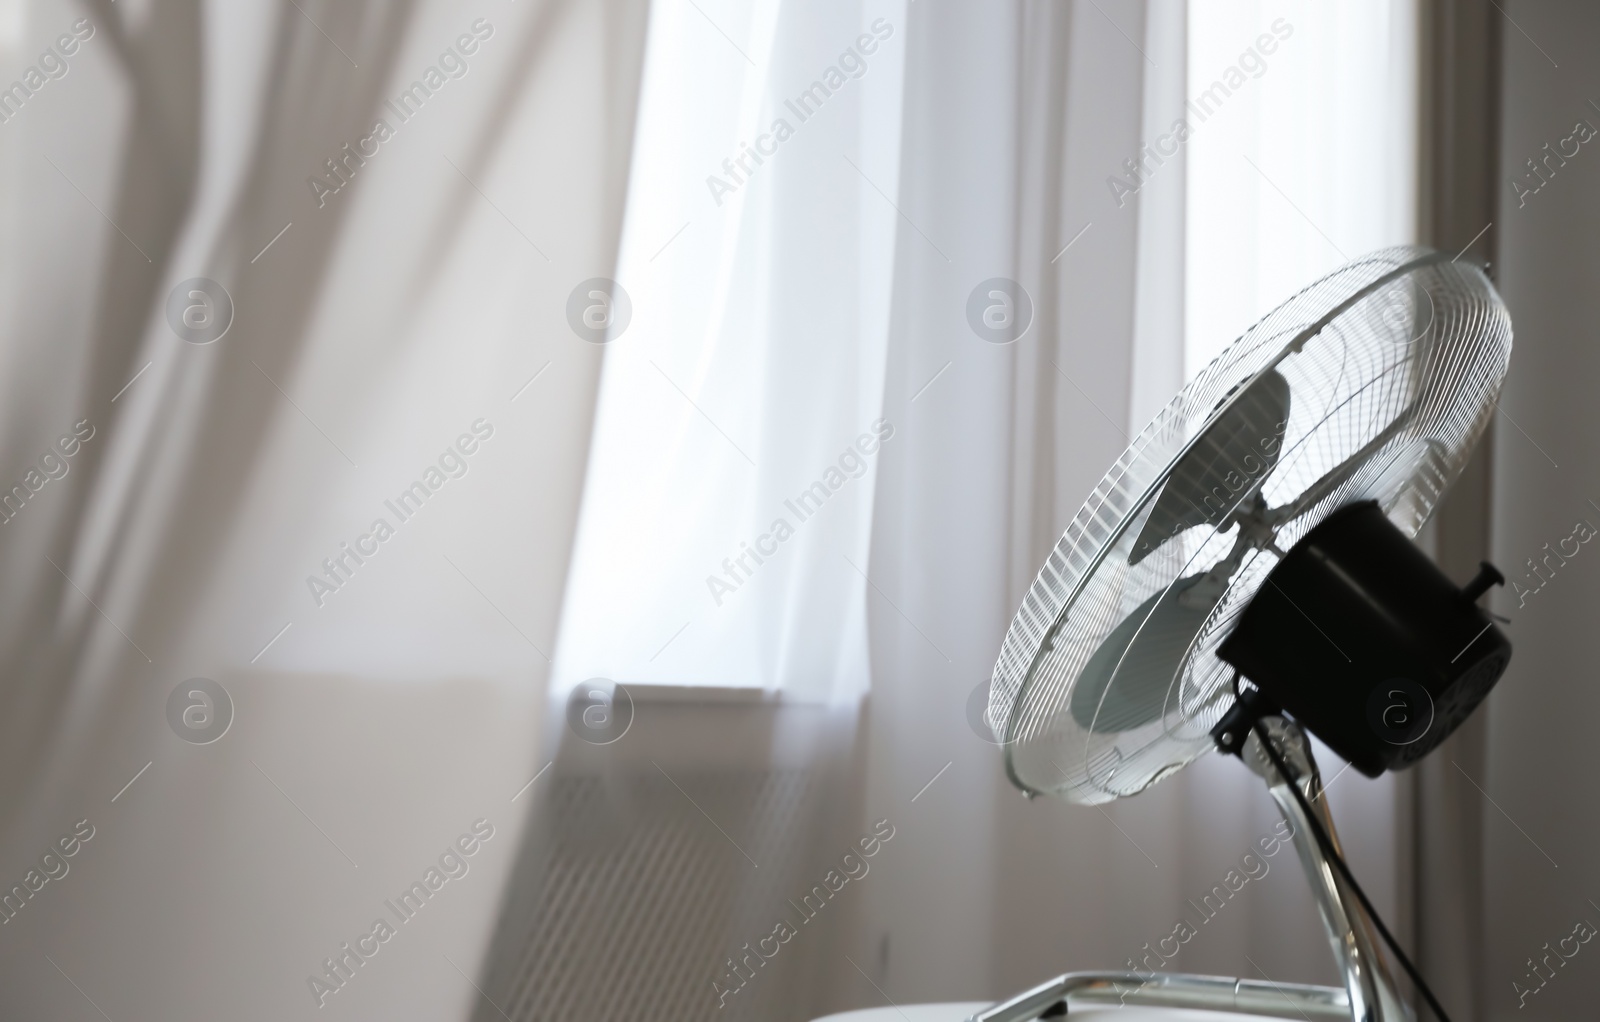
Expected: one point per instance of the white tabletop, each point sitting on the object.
(959, 1012)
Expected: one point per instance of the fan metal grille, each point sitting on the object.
(1393, 362)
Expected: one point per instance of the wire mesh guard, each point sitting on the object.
(1372, 383)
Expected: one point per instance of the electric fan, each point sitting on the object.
(1245, 574)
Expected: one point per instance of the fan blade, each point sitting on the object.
(1224, 466)
(1341, 472)
(1125, 683)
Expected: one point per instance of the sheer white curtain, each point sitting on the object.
(740, 425)
(1307, 158)
(1010, 174)
(725, 534)
(371, 329)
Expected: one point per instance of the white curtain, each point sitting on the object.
(1002, 893)
(1306, 157)
(740, 424)
(726, 531)
(372, 722)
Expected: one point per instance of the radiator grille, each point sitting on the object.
(627, 900)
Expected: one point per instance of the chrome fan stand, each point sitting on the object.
(1369, 994)
(1372, 994)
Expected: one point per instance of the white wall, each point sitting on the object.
(1543, 715)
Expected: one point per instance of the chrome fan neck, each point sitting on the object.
(1373, 996)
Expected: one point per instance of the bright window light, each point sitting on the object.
(1305, 157)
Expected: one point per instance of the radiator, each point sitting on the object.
(650, 863)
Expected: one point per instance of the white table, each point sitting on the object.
(959, 1012)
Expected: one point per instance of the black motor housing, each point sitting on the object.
(1365, 642)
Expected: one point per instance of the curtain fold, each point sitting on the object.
(999, 452)
(740, 423)
(725, 530)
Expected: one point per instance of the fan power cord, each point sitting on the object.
(1332, 853)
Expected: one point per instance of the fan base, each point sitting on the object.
(1229, 997)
